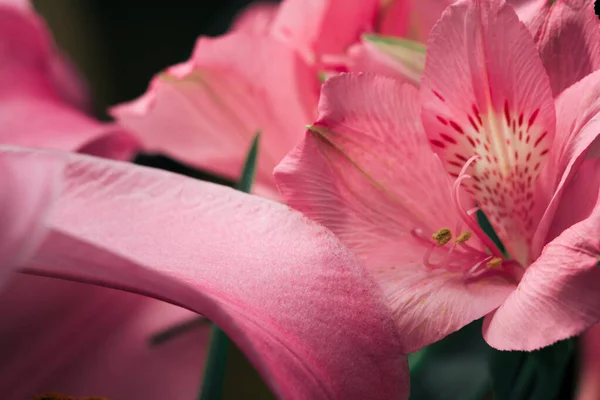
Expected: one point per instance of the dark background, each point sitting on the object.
(119, 45)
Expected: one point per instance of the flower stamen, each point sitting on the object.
(442, 236)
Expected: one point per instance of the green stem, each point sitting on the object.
(214, 370)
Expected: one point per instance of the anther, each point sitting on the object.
(494, 262)
(442, 236)
(463, 237)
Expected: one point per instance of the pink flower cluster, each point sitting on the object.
(430, 114)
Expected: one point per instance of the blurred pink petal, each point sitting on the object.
(39, 94)
(93, 341)
(28, 191)
(569, 42)
(207, 111)
(318, 27)
(588, 386)
(284, 289)
(397, 58)
(256, 18)
(346, 176)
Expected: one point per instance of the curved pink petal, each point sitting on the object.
(93, 341)
(365, 171)
(569, 42)
(558, 296)
(485, 92)
(578, 126)
(397, 58)
(207, 111)
(320, 27)
(256, 18)
(38, 92)
(588, 386)
(532, 13)
(298, 303)
(28, 191)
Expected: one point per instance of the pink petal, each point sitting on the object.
(318, 27)
(397, 58)
(38, 91)
(298, 303)
(588, 387)
(256, 18)
(424, 15)
(206, 112)
(394, 18)
(578, 126)
(28, 190)
(93, 341)
(485, 93)
(569, 42)
(557, 297)
(347, 175)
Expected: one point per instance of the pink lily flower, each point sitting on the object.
(41, 97)
(262, 76)
(398, 174)
(295, 300)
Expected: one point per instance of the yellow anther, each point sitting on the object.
(442, 236)
(463, 237)
(494, 262)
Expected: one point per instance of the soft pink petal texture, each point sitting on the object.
(533, 13)
(206, 112)
(256, 18)
(400, 59)
(558, 296)
(365, 170)
(93, 341)
(291, 296)
(424, 14)
(578, 126)
(485, 92)
(569, 42)
(28, 191)
(318, 27)
(38, 92)
(394, 18)
(588, 387)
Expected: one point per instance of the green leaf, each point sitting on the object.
(487, 228)
(536, 375)
(249, 170)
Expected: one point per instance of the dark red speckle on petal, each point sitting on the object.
(438, 143)
(439, 96)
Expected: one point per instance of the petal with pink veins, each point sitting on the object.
(83, 340)
(283, 288)
(558, 295)
(39, 94)
(485, 93)
(366, 171)
(206, 112)
(588, 385)
(28, 191)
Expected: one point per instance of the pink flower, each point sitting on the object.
(501, 144)
(41, 97)
(262, 76)
(283, 288)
